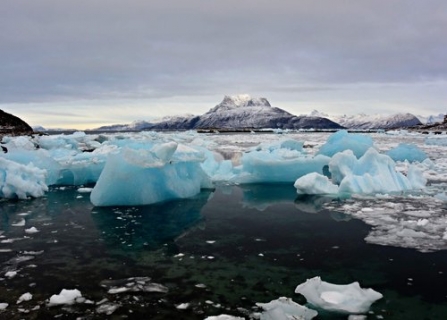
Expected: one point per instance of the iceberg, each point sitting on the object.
(348, 299)
(343, 140)
(284, 309)
(408, 152)
(140, 177)
(372, 173)
(279, 162)
(21, 181)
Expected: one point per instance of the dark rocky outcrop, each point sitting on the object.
(12, 125)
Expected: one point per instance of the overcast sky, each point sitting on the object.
(85, 63)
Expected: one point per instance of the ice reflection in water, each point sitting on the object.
(216, 253)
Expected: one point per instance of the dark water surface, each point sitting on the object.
(221, 252)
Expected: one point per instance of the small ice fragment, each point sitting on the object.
(180, 255)
(31, 230)
(25, 297)
(183, 306)
(357, 317)
(3, 306)
(10, 274)
(5, 250)
(422, 222)
(21, 223)
(107, 308)
(210, 257)
(85, 190)
(200, 285)
(211, 241)
(65, 297)
(209, 302)
(223, 317)
(261, 254)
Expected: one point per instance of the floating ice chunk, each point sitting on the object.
(422, 222)
(31, 230)
(135, 284)
(343, 140)
(315, 183)
(3, 305)
(223, 317)
(21, 181)
(66, 296)
(284, 309)
(409, 152)
(10, 274)
(25, 297)
(107, 308)
(277, 165)
(85, 190)
(348, 298)
(20, 223)
(138, 177)
(372, 173)
(182, 306)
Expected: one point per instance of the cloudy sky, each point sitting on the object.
(85, 63)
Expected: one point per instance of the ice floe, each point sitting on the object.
(349, 298)
(66, 296)
(284, 308)
(135, 284)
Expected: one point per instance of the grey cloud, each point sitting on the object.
(94, 49)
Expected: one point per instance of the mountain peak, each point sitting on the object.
(240, 101)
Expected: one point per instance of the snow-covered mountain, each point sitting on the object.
(378, 121)
(432, 119)
(234, 112)
(242, 112)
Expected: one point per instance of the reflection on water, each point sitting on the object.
(219, 252)
(148, 227)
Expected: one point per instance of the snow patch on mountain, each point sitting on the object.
(377, 121)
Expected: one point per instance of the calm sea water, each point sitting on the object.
(221, 252)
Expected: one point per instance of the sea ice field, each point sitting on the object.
(181, 225)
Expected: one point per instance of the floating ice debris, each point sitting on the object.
(211, 241)
(3, 305)
(10, 274)
(183, 306)
(107, 308)
(201, 285)
(135, 284)
(20, 223)
(224, 317)
(357, 317)
(5, 250)
(85, 190)
(31, 230)
(66, 296)
(284, 308)
(398, 224)
(25, 297)
(349, 298)
(180, 255)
